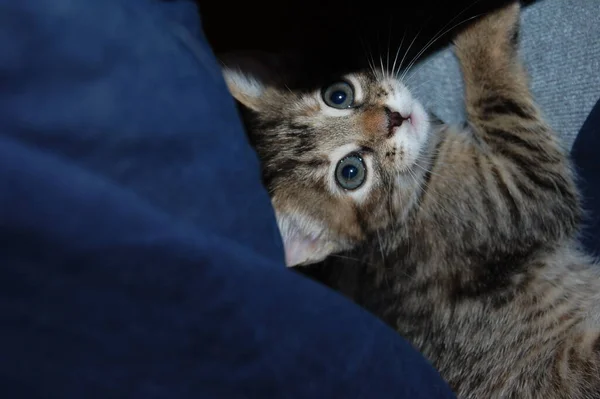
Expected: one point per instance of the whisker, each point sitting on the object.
(433, 173)
(435, 36)
(407, 81)
(397, 53)
(379, 52)
(435, 198)
(348, 258)
(369, 56)
(357, 261)
(435, 40)
(372, 65)
(380, 245)
(387, 61)
(409, 47)
(414, 88)
(423, 185)
(402, 272)
(390, 207)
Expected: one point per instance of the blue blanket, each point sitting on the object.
(139, 254)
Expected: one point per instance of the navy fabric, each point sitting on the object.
(585, 156)
(139, 255)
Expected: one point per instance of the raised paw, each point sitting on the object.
(493, 38)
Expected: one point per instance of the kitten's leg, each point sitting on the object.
(532, 175)
(532, 171)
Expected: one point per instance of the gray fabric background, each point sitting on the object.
(560, 45)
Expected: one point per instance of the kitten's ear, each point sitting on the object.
(244, 88)
(249, 74)
(302, 248)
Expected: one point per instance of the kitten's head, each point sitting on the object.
(340, 162)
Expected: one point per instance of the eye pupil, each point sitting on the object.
(338, 97)
(349, 172)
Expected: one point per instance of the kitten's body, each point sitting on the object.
(464, 239)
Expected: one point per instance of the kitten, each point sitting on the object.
(466, 237)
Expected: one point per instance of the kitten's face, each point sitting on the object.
(340, 163)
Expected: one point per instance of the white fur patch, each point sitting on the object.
(334, 112)
(412, 135)
(241, 83)
(303, 239)
(359, 94)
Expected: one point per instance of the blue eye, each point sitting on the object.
(351, 172)
(339, 95)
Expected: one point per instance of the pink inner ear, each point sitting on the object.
(299, 249)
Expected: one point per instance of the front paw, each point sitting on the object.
(494, 36)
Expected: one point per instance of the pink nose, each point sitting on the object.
(394, 120)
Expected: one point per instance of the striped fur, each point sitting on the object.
(471, 253)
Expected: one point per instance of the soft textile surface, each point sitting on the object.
(560, 43)
(139, 255)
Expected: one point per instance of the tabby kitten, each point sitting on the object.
(466, 236)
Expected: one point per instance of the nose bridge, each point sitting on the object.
(374, 121)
